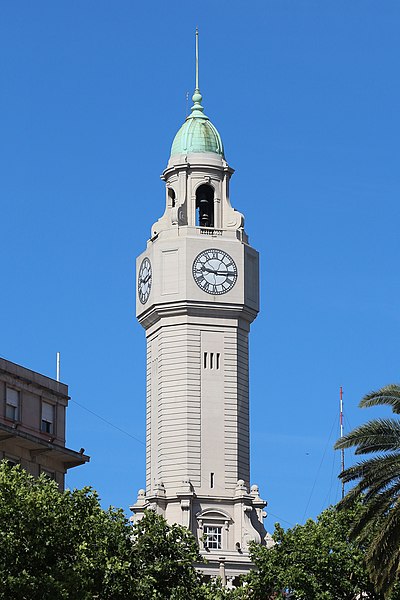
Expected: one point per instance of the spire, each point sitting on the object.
(197, 58)
(197, 133)
(197, 110)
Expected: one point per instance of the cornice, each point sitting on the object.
(192, 308)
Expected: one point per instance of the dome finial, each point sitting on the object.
(197, 109)
(197, 58)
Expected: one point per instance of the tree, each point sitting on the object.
(314, 561)
(163, 559)
(59, 546)
(378, 487)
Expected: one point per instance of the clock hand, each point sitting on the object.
(209, 270)
(217, 272)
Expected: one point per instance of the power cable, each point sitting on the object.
(280, 519)
(92, 412)
(109, 422)
(328, 496)
(318, 470)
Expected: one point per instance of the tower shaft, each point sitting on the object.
(198, 405)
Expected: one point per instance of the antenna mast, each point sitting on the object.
(341, 435)
(58, 367)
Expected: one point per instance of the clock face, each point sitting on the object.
(214, 271)
(144, 280)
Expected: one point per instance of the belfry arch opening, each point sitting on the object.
(205, 206)
(171, 198)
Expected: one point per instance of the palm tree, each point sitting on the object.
(378, 487)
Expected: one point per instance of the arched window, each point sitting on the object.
(171, 198)
(205, 206)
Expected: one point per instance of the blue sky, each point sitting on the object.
(305, 95)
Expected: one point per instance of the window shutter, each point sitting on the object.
(12, 397)
(47, 412)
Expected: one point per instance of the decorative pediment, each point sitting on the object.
(212, 514)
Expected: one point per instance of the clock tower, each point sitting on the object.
(197, 292)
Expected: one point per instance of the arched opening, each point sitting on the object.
(205, 206)
(171, 198)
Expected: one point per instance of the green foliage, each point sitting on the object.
(213, 590)
(54, 545)
(164, 556)
(59, 546)
(64, 546)
(378, 488)
(313, 561)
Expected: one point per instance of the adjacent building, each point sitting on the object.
(32, 422)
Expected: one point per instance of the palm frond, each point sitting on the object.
(373, 468)
(386, 480)
(379, 484)
(389, 395)
(375, 507)
(375, 436)
(383, 555)
(352, 495)
(377, 527)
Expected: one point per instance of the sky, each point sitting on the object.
(305, 95)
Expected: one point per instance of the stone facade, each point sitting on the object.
(32, 422)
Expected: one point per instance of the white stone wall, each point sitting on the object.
(198, 446)
(197, 413)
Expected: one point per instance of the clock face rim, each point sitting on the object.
(197, 278)
(144, 296)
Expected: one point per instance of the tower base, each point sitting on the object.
(223, 525)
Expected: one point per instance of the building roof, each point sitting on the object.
(197, 134)
(37, 379)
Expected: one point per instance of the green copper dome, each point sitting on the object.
(197, 134)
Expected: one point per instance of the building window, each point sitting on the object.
(47, 418)
(171, 197)
(49, 474)
(12, 404)
(212, 537)
(11, 461)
